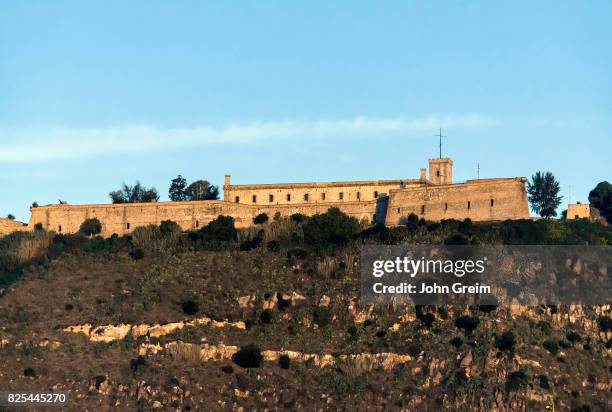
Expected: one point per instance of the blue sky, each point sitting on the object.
(96, 93)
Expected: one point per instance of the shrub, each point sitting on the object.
(38, 226)
(551, 346)
(457, 239)
(505, 341)
(137, 364)
(260, 219)
(298, 217)
(91, 227)
(543, 381)
(605, 323)
(427, 319)
(170, 228)
(248, 357)
(517, 380)
(329, 229)
(137, 254)
(456, 342)
(190, 307)
(154, 238)
(18, 248)
(414, 350)
(322, 316)
(266, 316)
(296, 253)
(273, 246)
(284, 361)
(220, 230)
(353, 331)
(467, 323)
(573, 337)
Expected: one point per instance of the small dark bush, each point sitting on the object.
(260, 219)
(467, 323)
(353, 331)
(169, 228)
(412, 219)
(427, 319)
(190, 307)
(266, 316)
(457, 239)
(273, 246)
(296, 253)
(573, 337)
(298, 217)
(544, 382)
(505, 341)
(551, 346)
(220, 230)
(91, 227)
(284, 361)
(29, 372)
(248, 357)
(68, 306)
(517, 380)
(381, 333)
(330, 229)
(564, 344)
(543, 326)
(414, 350)
(137, 364)
(456, 342)
(227, 369)
(38, 226)
(137, 254)
(251, 243)
(322, 316)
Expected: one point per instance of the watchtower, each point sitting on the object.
(441, 171)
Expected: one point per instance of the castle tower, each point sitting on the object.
(441, 171)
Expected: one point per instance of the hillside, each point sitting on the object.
(269, 318)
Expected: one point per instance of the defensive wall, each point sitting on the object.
(383, 201)
(8, 225)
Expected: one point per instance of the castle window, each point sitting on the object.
(374, 217)
(398, 210)
(438, 173)
(469, 204)
(288, 197)
(341, 195)
(575, 217)
(423, 209)
(306, 197)
(127, 226)
(492, 202)
(237, 199)
(254, 198)
(445, 207)
(60, 228)
(271, 198)
(322, 196)
(197, 223)
(376, 194)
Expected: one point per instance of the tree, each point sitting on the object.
(177, 191)
(134, 194)
(91, 227)
(543, 193)
(260, 219)
(202, 190)
(330, 229)
(10, 216)
(601, 199)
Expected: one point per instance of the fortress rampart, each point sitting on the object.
(8, 225)
(383, 201)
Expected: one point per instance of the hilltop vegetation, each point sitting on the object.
(293, 283)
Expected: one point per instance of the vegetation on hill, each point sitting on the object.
(134, 194)
(294, 285)
(543, 190)
(198, 190)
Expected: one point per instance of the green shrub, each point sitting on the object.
(266, 316)
(248, 357)
(505, 341)
(322, 316)
(163, 238)
(551, 346)
(273, 246)
(260, 219)
(298, 217)
(329, 229)
(18, 248)
(517, 380)
(220, 230)
(467, 323)
(91, 227)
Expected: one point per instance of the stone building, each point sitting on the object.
(578, 211)
(433, 197)
(9, 225)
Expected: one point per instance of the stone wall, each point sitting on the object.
(479, 200)
(8, 226)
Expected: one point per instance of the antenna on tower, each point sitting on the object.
(570, 195)
(478, 170)
(440, 145)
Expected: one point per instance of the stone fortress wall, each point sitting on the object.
(8, 225)
(578, 211)
(384, 201)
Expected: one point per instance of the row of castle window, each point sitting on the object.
(306, 197)
(469, 206)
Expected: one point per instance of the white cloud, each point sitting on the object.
(60, 143)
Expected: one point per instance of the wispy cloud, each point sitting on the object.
(59, 143)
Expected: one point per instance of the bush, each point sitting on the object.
(267, 316)
(543, 381)
(91, 227)
(298, 217)
(551, 346)
(137, 364)
(467, 323)
(296, 253)
(329, 229)
(273, 246)
(190, 307)
(414, 350)
(248, 357)
(505, 342)
(456, 342)
(18, 248)
(163, 238)
(517, 380)
(260, 219)
(322, 316)
(284, 361)
(573, 337)
(137, 254)
(220, 230)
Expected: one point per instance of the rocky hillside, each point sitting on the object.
(269, 318)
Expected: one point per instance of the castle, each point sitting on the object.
(390, 202)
